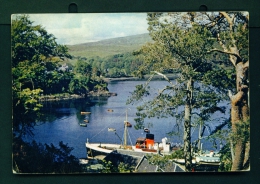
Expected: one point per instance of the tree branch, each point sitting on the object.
(224, 52)
(236, 98)
(165, 77)
(219, 127)
(228, 18)
(246, 64)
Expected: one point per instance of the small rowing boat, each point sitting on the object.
(146, 130)
(84, 113)
(83, 124)
(111, 129)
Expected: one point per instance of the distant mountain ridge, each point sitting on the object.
(110, 46)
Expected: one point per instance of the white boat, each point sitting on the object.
(146, 130)
(142, 145)
(84, 113)
(209, 157)
(111, 129)
(83, 124)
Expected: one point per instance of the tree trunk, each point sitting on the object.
(246, 164)
(239, 115)
(187, 127)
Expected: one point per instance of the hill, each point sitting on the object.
(109, 47)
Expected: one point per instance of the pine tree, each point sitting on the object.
(197, 90)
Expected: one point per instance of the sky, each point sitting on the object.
(70, 29)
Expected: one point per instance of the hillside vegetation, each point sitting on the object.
(111, 57)
(109, 47)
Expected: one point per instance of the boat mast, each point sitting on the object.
(199, 142)
(125, 131)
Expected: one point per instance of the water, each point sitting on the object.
(62, 120)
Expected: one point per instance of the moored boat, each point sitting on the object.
(143, 145)
(111, 129)
(128, 124)
(146, 130)
(84, 113)
(83, 124)
(209, 157)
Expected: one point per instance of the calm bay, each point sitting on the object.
(62, 120)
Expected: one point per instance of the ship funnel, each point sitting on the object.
(150, 136)
(149, 141)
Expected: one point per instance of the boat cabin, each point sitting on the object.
(128, 124)
(140, 143)
(147, 142)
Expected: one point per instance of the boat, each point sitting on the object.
(111, 129)
(146, 130)
(84, 113)
(128, 124)
(86, 120)
(143, 145)
(110, 110)
(147, 145)
(209, 157)
(83, 124)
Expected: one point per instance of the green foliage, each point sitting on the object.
(108, 167)
(26, 108)
(125, 168)
(38, 158)
(201, 84)
(242, 132)
(86, 79)
(83, 68)
(112, 57)
(79, 85)
(157, 160)
(178, 154)
(184, 49)
(39, 67)
(164, 161)
(118, 65)
(35, 57)
(225, 158)
(109, 47)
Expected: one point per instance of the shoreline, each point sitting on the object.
(61, 97)
(156, 77)
(66, 96)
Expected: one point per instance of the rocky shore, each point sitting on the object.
(75, 96)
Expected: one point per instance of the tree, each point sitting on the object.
(35, 64)
(38, 158)
(35, 54)
(83, 68)
(166, 160)
(35, 57)
(26, 108)
(231, 31)
(197, 90)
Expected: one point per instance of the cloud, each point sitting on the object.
(81, 28)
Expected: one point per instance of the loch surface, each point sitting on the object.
(62, 120)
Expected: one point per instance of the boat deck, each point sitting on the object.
(108, 148)
(105, 148)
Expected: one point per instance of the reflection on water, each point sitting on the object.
(61, 120)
